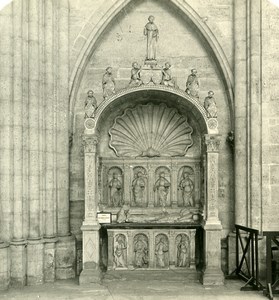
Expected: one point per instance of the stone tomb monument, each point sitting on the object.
(157, 193)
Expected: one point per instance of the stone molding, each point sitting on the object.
(212, 142)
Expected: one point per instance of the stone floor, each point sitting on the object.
(134, 285)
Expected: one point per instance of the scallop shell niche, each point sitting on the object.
(150, 130)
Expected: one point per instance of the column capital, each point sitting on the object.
(90, 142)
(212, 142)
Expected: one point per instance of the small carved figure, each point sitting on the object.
(167, 78)
(162, 185)
(141, 252)
(123, 214)
(115, 186)
(90, 105)
(182, 252)
(138, 187)
(160, 251)
(210, 105)
(119, 251)
(230, 139)
(192, 84)
(187, 187)
(135, 75)
(152, 33)
(108, 83)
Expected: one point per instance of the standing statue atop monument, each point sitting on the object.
(152, 33)
(90, 105)
(192, 84)
(108, 83)
(210, 105)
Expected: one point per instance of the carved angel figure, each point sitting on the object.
(108, 83)
(187, 187)
(192, 84)
(162, 186)
(210, 105)
(90, 105)
(115, 186)
(152, 33)
(135, 75)
(119, 251)
(167, 78)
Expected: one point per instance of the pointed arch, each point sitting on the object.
(106, 13)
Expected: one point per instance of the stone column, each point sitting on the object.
(126, 184)
(90, 227)
(174, 181)
(213, 274)
(240, 144)
(151, 182)
(65, 247)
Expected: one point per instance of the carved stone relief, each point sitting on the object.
(162, 251)
(162, 187)
(186, 187)
(115, 185)
(108, 83)
(150, 131)
(182, 244)
(141, 253)
(139, 187)
(120, 251)
(193, 84)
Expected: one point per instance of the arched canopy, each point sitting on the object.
(160, 94)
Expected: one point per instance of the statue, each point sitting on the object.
(90, 105)
(123, 214)
(119, 251)
(138, 187)
(135, 75)
(167, 79)
(162, 185)
(152, 34)
(108, 83)
(192, 84)
(115, 186)
(141, 251)
(160, 251)
(182, 252)
(210, 105)
(187, 187)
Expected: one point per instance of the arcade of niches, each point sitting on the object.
(155, 115)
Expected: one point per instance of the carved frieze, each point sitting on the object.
(150, 131)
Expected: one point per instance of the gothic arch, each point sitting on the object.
(106, 13)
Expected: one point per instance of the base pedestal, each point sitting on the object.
(4, 266)
(212, 276)
(90, 274)
(18, 263)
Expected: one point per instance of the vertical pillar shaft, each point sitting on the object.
(174, 181)
(90, 227)
(18, 121)
(50, 185)
(240, 154)
(255, 115)
(213, 274)
(62, 119)
(34, 179)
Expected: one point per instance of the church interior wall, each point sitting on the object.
(120, 45)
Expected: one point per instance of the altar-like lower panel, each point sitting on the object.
(151, 248)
